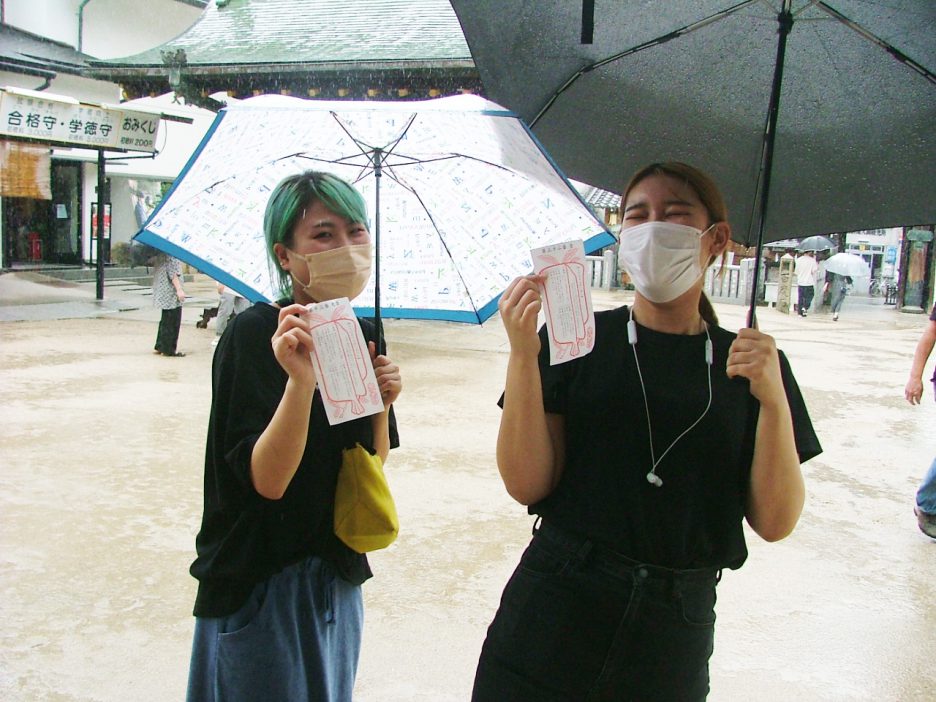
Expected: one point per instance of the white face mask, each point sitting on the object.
(662, 258)
(341, 272)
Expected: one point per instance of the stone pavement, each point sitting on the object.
(26, 296)
(101, 495)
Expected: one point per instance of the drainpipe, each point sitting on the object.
(81, 8)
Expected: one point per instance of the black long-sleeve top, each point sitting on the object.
(245, 538)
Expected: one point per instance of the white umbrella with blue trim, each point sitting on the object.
(458, 190)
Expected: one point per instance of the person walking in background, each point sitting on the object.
(640, 459)
(230, 304)
(925, 505)
(837, 285)
(805, 269)
(279, 608)
(168, 296)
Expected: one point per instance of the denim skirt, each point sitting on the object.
(579, 622)
(296, 639)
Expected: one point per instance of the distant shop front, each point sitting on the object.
(49, 205)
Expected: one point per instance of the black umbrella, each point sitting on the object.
(816, 243)
(813, 117)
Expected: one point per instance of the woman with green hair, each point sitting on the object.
(279, 609)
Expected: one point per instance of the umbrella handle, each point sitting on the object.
(785, 20)
(377, 159)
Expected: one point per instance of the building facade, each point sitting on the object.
(190, 56)
(46, 195)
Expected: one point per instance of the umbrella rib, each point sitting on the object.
(370, 149)
(357, 143)
(447, 157)
(221, 181)
(402, 135)
(889, 48)
(721, 14)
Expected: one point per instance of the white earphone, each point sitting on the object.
(652, 477)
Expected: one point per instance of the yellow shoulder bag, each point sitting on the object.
(365, 514)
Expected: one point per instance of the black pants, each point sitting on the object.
(578, 622)
(168, 334)
(806, 294)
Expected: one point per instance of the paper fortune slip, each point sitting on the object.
(342, 363)
(570, 321)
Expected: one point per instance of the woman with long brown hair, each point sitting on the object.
(640, 460)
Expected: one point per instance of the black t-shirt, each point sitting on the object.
(244, 537)
(694, 519)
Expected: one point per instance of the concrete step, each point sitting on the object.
(139, 275)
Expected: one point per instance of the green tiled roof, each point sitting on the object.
(315, 31)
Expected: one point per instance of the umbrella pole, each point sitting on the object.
(377, 156)
(785, 20)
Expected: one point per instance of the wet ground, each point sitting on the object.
(100, 498)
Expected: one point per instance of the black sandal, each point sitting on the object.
(176, 354)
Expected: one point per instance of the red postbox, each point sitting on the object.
(35, 246)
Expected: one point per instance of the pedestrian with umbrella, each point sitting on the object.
(806, 271)
(837, 286)
(816, 244)
(640, 476)
(279, 609)
(841, 270)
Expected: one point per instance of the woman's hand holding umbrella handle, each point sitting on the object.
(777, 493)
(753, 355)
(389, 381)
(390, 385)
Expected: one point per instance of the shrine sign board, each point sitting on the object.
(51, 120)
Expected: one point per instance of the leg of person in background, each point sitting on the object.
(838, 297)
(162, 332)
(228, 308)
(167, 337)
(806, 298)
(925, 508)
(240, 304)
(225, 312)
(800, 297)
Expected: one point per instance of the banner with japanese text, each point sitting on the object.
(76, 124)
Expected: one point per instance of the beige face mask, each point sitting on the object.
(341, 272)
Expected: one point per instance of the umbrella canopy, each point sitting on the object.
(816, 243)
(457, 188)
(847, 264)
(811, 118)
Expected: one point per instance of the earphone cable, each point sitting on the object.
(643, 390)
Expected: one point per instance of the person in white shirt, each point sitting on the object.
(805, 271)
